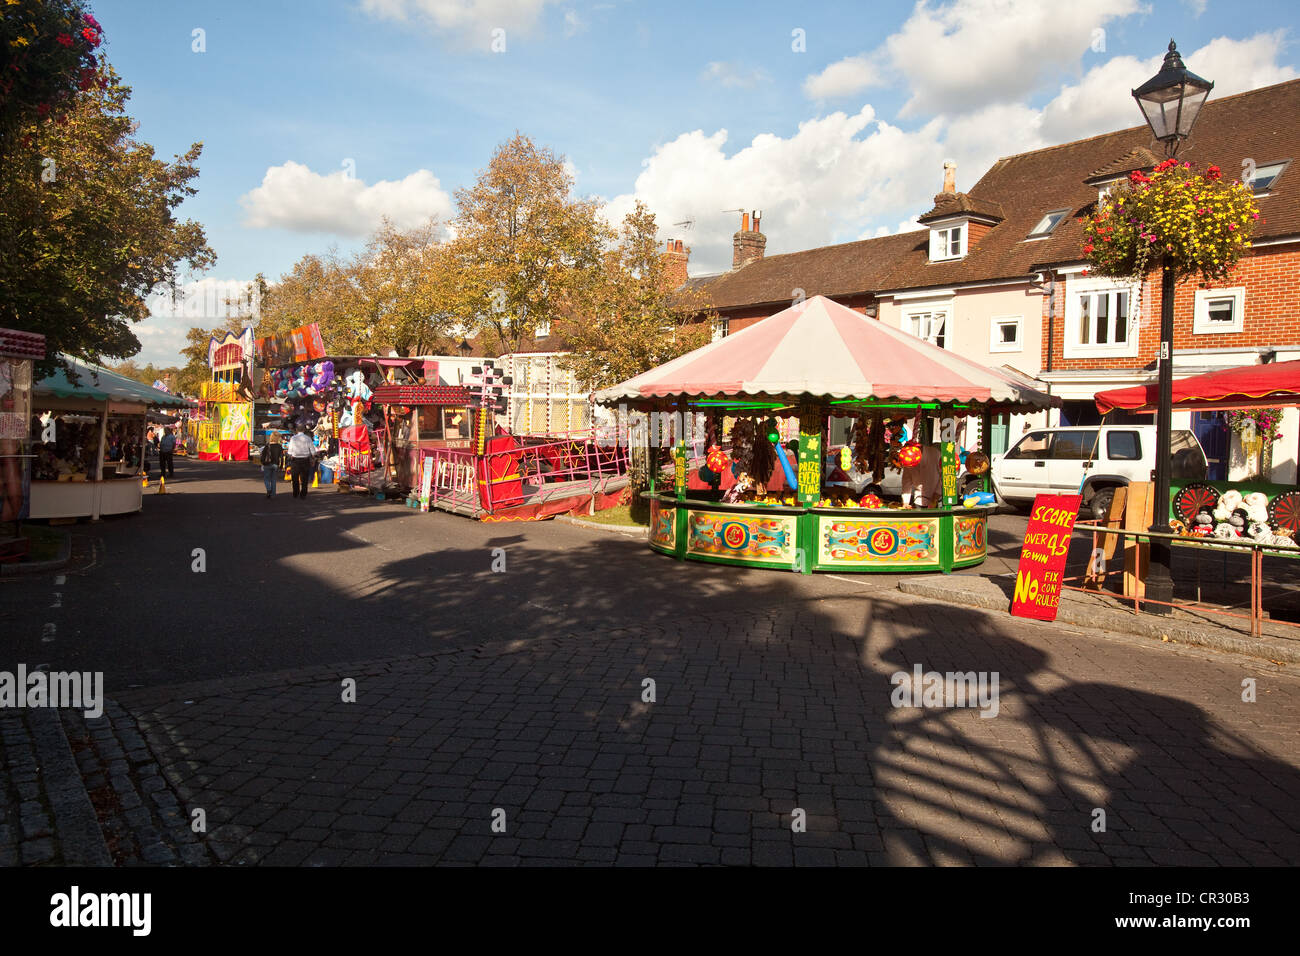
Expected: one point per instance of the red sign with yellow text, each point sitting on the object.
(1042, 557)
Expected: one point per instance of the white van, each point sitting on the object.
(1094, 459)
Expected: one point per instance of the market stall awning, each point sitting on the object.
(1251, 386)
(820, 350)
(99, 384)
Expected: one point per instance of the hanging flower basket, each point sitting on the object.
(1264, 423)
(1198, 223)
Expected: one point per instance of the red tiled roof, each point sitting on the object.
(954, 204)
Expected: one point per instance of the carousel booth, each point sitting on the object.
(759, 501)
(225, 415)
(88, 432)
(1249, 510)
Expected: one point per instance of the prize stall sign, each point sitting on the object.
(1042, 557)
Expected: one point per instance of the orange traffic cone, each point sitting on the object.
(162, 485)
(315, 479)
(145, 482)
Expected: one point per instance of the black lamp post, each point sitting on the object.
(1170, 101)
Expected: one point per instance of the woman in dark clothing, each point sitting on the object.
(272, 463)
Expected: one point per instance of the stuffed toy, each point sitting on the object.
(356, 386)
(1229, 502)
(1203, 524)
(1224, 530)
(871, 501)
(323, 376)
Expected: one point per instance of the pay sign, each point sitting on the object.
(1042, 557)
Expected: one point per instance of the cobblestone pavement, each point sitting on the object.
(756, 714)
(504, 719)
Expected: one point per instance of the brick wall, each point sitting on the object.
(1271, 278)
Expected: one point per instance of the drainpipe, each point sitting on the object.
(1047, 281)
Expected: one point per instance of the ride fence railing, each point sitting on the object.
(1102, 574)
(536, 469)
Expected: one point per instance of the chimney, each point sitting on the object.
(949, 177)
(747, 245)
(676, 259)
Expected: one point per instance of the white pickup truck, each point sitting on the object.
(1094, 459)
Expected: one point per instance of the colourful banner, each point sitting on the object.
(300, 344)
(1042, 556)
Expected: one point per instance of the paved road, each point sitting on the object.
(519, 698)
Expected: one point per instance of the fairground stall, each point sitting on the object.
(812, 362)
(88, 431)
(1253, 395)
(224, 418)
(19, 350)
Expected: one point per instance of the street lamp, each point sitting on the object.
(1170, 102)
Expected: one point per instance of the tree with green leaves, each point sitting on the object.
(88, 227)
(524, 245)
(628, 318)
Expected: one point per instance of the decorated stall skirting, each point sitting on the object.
(828, 539)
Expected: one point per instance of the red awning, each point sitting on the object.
(1252, 386)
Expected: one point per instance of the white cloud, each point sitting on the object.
(970, 53)
(202, 303)
(731, 75)
(1196, 6)
(818, 186)
(294, 197)
(465, 18)
(853, 74)
(573, 24)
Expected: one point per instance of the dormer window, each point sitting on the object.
(947, 242)
(1047, 224)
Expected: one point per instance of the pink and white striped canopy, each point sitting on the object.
(820, 350)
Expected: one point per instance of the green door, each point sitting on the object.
(998, 435)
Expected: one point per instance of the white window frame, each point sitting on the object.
(995, 341)
(1040, 233)
(1201, 322)
(721, 328)
(941, 244)
(1075, 290)
(1265, 190)
(542, 330)
(931, 313)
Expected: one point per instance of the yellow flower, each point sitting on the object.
(18, 41)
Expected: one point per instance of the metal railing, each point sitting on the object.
(1097, 577)
(534, 471)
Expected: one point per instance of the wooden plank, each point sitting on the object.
(1110, 543)
(1137, 511)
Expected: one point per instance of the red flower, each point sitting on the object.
(90, 36)
(1087, 250)
(1213, 173)
(90, 18)
(64, 39)
(42, 108)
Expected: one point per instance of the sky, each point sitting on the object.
(834, 119)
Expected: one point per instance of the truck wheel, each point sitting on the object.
(1100, 504)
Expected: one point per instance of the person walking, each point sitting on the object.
(272, 463)
(166, 453)
(300, 461)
